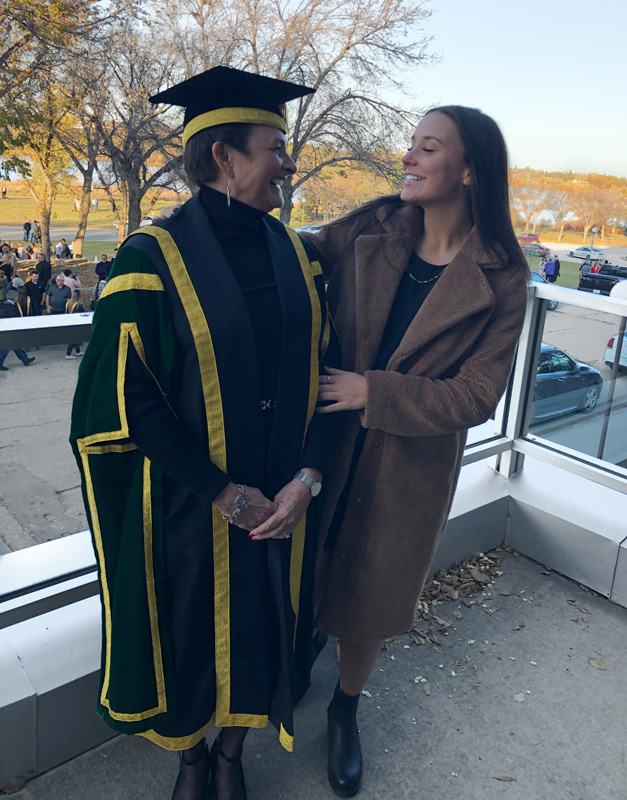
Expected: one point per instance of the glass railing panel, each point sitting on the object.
(572, 404)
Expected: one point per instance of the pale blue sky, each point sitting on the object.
(552, 73)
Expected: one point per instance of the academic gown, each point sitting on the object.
(201, 626)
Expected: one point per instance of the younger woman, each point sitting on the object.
(428, 291)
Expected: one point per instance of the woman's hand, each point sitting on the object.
(258, 511)
(346, 391)
(292, 503)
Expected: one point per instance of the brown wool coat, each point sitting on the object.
(446, 376)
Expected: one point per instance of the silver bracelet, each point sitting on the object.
(241, 503)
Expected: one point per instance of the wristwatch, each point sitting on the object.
(314, 486)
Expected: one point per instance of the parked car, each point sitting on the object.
(601, 280)
(593, 253)
(537, 278)
(539, 250)
(531, 246)
(610, 352)
(563, 384)
(527, 238)
(310, 228)
(148, 219)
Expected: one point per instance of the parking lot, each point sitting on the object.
(584, 335)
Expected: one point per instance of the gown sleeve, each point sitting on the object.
(162, 438)
(325, 431)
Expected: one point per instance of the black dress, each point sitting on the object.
(416, 283)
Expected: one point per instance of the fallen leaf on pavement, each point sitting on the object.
(426, 689)
(519, 627)
(506, 778)
(457, 614)
(577, 605)
(506, 593)
(15, 785)
(597, 663)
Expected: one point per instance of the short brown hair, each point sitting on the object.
(200, 165)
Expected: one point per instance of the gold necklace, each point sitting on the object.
(429, 280)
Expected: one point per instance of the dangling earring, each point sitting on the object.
(228, 194)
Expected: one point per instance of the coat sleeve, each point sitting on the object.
(331, 241)
(413, 405)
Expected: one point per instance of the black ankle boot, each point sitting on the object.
(345, 766)
(187, 787)
(238, 784)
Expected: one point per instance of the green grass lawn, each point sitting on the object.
(16, 210)
(569, 272)
(575, 239)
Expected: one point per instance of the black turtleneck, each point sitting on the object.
(239, 230)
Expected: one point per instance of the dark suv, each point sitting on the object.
(602, 281)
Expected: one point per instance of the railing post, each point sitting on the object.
(519, 399)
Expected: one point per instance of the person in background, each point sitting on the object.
(23, 300)
(57, 295)
(541, 266)
(58, 250)
(12, 260)
(5, 266)
(4, 285)
(556, 261)
(74, 306)
(36, 291)
(44, 268)
(4, 192)
(98, 290)
(27, 226)
(549, 270)
(36, 233)
(21, 253)
(103, 267)
(9, 310)
(72, 280)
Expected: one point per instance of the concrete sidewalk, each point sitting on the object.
(512, 694)
(40, 496)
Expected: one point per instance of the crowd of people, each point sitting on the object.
(39, 293)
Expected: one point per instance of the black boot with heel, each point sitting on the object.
(192, 782)
(345, 766)
(237, 784)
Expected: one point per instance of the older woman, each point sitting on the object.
(428, 294)
(191, 427)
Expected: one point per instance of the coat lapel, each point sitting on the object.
(380, 261)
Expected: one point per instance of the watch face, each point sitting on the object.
(316, 489)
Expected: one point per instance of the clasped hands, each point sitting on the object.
(268, 519)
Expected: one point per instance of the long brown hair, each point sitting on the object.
(485, 154)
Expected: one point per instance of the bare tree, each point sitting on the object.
(140, 145)
(43, 163)
(560, 204)
(348, 50)
(36, 36)
(594, 208)
(529, 199)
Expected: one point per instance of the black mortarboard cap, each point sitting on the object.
(222, 95)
